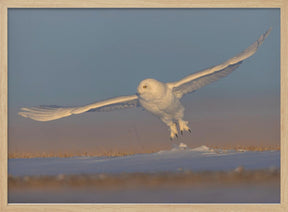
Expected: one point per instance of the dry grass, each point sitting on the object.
(246, 147)
(239, 175)
(72, 154)
(93, 153)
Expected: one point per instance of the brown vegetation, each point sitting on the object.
(246, 147)
(118, 153)
(239, 175)
(72, 154)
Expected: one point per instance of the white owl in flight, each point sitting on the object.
(161, 99)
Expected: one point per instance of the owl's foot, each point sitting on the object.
(183, 126)
(173, 131)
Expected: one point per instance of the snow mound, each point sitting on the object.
(175, 148)
(184, 148)
(202, 148)
(181, 146)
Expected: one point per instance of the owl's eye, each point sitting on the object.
(144, 86)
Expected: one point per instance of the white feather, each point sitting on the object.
(204, 77)
(48, 113)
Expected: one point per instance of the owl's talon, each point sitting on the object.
(183, 126)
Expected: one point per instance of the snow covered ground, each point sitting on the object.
(178, 158)
(252, 189)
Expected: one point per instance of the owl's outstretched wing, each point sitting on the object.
(199, 79)
(48, 113)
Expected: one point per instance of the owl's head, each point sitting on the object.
(150, 89)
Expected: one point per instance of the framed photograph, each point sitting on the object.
(141, 105)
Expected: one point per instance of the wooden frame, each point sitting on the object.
(282, 4)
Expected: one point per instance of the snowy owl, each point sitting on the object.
(161, 99)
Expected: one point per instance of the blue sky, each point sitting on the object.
(79, 56)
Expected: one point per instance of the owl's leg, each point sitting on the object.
(172, 127)
(173, 130)
(183, 126)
